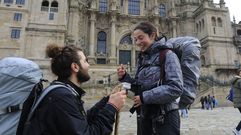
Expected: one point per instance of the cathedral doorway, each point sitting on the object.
(125, 57)
(127, 52)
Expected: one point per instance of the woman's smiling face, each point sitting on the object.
(143, 40)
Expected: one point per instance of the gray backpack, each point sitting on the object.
(17, 78)
(188, 52)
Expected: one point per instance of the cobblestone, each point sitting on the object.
(219, 121)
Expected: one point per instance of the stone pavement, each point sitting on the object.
(219, 121)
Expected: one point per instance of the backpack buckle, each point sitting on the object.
(14, 108)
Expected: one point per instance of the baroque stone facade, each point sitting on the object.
(103, 29)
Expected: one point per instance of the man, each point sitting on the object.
(61, 112)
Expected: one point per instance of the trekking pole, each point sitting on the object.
(117, 119)
(117, 116)
(125, 86)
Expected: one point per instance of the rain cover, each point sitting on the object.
(17, 78)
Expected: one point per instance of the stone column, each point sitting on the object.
(174, 28)
(156, 23)
(92, 39)
(142, 7)
(126, 7)
(113, 5)
(73, 27)
(156, 9)
(173, 15)
(112, 57)
(173, 8)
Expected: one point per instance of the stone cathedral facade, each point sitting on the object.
(103, 29)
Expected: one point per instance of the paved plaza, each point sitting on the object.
(219, 121)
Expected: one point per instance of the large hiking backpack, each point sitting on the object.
(36, 96)
(188, 52)
(17, 78)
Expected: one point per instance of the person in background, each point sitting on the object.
(209, 103)
(206, 102)
(236, 82)
(202, 102)
(214, 101)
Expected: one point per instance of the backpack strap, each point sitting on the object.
(235, 80)
(19, 107)
(162, 57)
(45, 92)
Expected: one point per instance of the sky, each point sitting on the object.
(234, 7)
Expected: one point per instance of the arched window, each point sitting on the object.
(54, 6)
(162, 11)
(103, 5)
(220, 23)
(134, 7)
(213, 21)
(101, 44)
(45, 5)
(200, 26)
(126, 40)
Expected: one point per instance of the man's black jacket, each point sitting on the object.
(62, 113)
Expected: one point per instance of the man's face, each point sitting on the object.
(83, 74)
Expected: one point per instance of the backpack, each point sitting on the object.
(17, 78)
(187, 50)
(34, 99)
(231, 91)
(230, 95)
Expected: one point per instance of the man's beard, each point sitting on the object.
(83, 76)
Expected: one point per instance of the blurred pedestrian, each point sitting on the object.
(236, 82)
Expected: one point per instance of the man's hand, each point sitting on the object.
(121, 71)
(118, 99)
(137, 101)
(117, 88)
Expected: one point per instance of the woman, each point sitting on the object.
(156, 95)
(236, 82)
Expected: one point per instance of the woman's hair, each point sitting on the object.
(147, 28)
(62, 58)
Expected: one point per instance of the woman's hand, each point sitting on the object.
(137, 101)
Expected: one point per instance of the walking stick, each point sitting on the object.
(122, 86)
(117, 119)
(117, 116)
